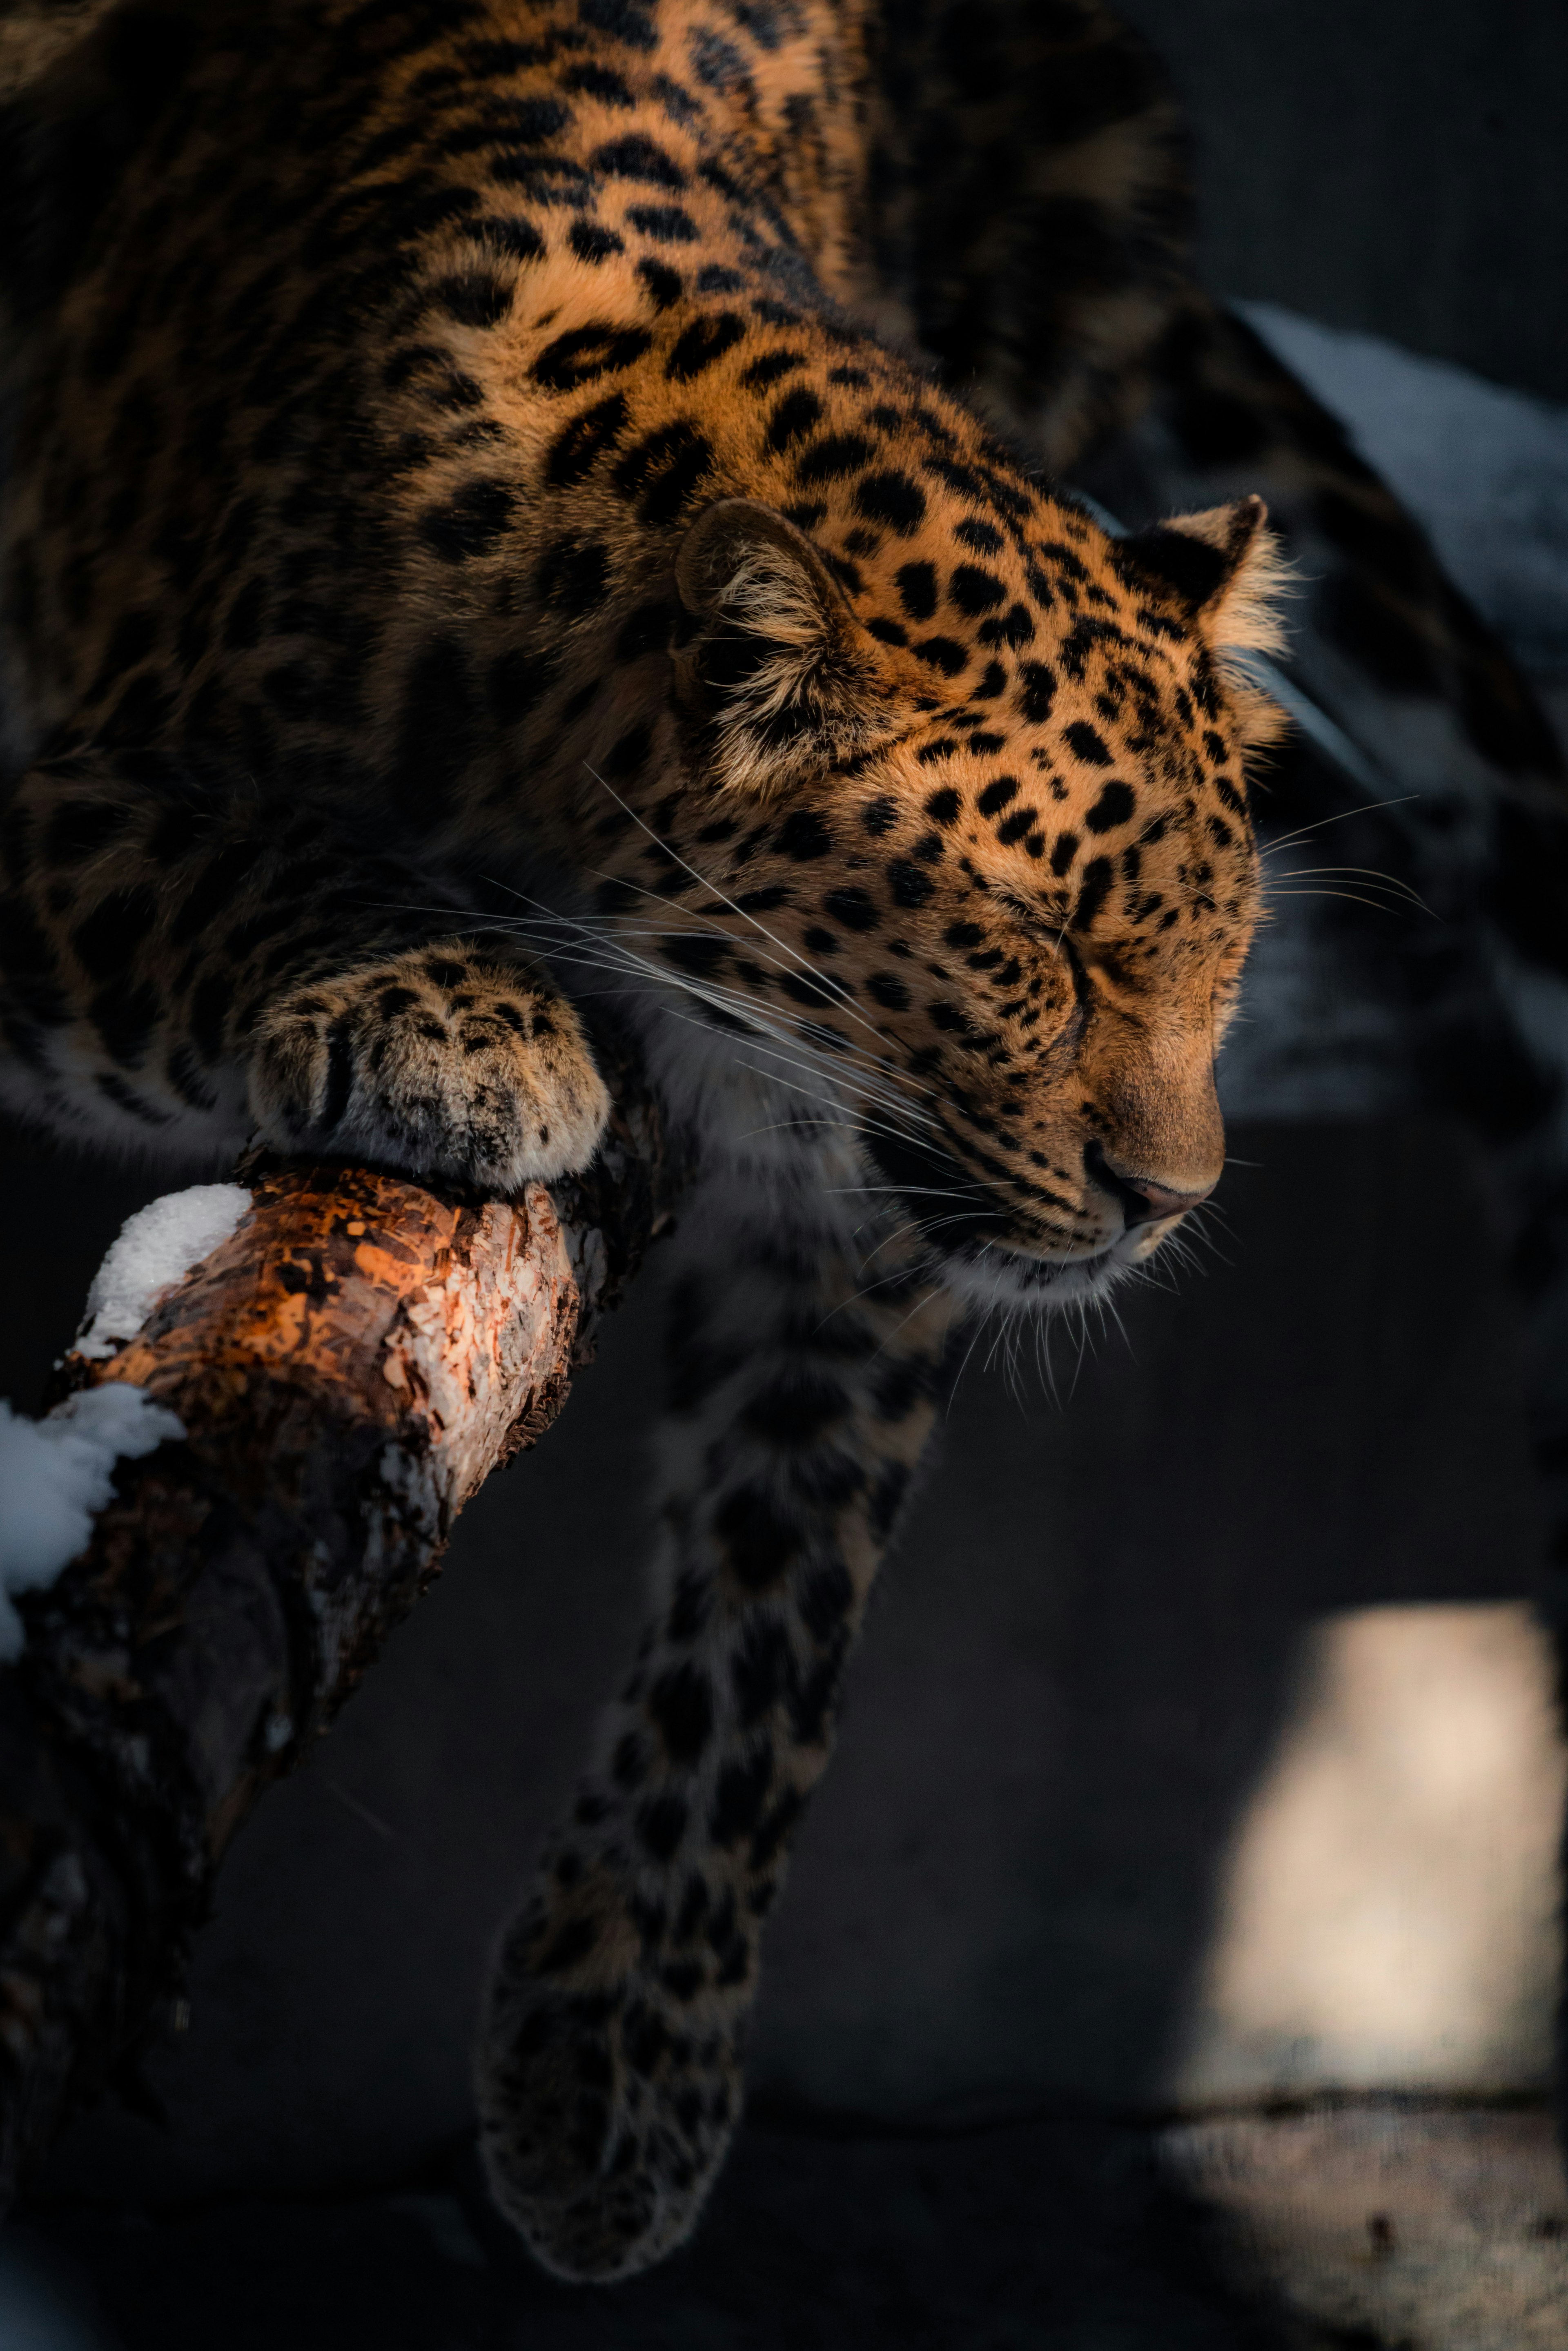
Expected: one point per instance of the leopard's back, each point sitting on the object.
(252, 428)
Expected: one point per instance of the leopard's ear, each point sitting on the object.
(777, 672)
(1226, 567)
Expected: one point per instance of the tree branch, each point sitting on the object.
(348, 1368)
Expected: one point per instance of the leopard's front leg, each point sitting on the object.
(182, 963)
(610, 2066)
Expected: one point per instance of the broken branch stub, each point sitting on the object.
(348, 1367)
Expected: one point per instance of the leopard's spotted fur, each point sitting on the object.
(458, 506)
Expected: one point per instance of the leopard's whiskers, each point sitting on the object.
(1389, 881)
(786, 1046)
(705, 883)
(1365, 808)
(608, 937)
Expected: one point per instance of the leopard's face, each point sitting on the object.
(1008, 929)
(1039, 954)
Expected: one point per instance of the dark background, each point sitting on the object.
(1393, 165)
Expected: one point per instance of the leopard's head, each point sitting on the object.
(977, 806)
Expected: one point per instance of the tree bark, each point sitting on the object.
(348, 1368)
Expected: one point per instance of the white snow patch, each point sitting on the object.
(55, 1473)
(157, 1248)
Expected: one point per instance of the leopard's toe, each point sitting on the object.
(437, 1061)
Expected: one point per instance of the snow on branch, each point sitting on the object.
(285, 1391)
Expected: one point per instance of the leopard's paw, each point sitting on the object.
(604, 2119)
(446, 1060)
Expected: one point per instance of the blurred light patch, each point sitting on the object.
(1388, 1915)
(43, 2306)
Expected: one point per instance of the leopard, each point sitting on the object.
(520, 512)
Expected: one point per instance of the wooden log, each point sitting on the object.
(348, 1368)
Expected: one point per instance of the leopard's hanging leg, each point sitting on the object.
(609, 2067)
(182, 963)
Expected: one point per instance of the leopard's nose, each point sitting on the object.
(1143, 1201)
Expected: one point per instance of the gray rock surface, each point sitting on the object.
(1044, 2237)
(1426, 2228)
(1442, 2228)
